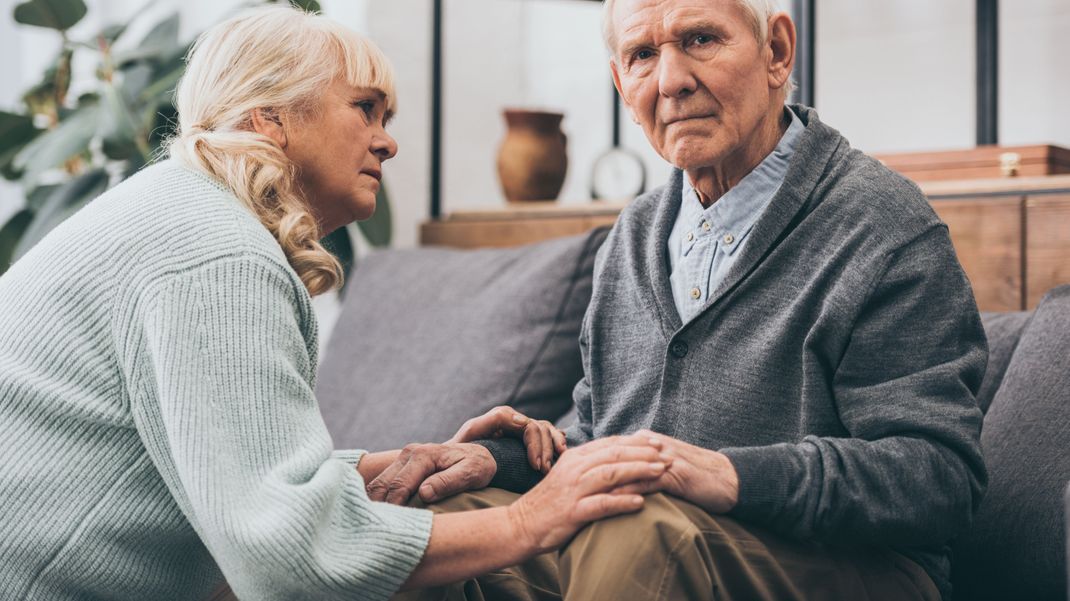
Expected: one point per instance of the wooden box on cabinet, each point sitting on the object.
(980, 162)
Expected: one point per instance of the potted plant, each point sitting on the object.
(65, 151)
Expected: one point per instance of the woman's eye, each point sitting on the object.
(367, 106)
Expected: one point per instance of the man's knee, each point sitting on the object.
(657, 527)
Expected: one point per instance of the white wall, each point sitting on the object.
(1034, 94)
(895, 76)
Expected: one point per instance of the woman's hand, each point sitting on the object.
(542, 440)
(582, 488)
(579, 490)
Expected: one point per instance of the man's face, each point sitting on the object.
(693, 75)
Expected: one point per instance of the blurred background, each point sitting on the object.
(893, 76)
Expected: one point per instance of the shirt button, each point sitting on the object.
(690, 236)
(729, 238)
(678, 349)
(695, 293)
(705, 226)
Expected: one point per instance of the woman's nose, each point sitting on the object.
(384, 146)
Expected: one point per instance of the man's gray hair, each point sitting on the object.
(757, 11)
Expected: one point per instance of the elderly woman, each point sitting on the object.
(158, 426)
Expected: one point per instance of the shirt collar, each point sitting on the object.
(735, 212)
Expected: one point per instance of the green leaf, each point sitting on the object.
(54, 14)
(51, 149)
(164, 36)
(112, 32)
(10, 235)
(116, 129)
(307, 5)
(157, 45)
(340, 245)
(63, 202)
(15, 132)
(165, 77)
(380, 228)
(35, 200)
(53, 86)
(134, 81)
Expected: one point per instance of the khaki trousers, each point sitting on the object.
(673, 549)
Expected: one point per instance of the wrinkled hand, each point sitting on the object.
(435, 470)
(540, 437)
(584, 486)
(701, 476)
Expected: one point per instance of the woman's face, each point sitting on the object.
(339, 152)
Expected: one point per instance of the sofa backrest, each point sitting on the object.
(1016, 547)
(1003, 330)
(429, 337)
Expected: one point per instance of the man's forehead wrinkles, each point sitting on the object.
(640, 27)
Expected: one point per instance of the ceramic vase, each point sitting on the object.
(532, 160)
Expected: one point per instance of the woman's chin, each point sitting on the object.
(364, 213)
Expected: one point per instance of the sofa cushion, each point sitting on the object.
(430, 337)
(1003, 331)
(1015, 548)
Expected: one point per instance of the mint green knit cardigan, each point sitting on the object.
(158, 427)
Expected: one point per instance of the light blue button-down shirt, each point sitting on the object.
(705, 242)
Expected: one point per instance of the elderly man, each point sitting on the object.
(789, 319)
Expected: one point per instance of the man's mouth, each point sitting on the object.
(683, 118)
(378, 175)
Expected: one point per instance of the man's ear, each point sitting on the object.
(616, 84)
(782, 46)
(267, 122)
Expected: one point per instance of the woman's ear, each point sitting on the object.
(267, 122)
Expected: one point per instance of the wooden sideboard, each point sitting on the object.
(1012, 235)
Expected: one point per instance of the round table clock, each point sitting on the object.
(618, 174)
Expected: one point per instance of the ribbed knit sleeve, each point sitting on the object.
(222, 397)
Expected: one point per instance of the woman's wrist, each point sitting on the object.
(521, 524)
(469, 543)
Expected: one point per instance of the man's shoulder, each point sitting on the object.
(860, 189)
(642, 211)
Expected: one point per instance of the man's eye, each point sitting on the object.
(643, 54)
(703, 39)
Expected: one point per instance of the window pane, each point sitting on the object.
(897, 76)
(1034, 88)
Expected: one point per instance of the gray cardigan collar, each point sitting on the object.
(816, 147)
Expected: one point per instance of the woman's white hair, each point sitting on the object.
(758, 13)
(278, 60)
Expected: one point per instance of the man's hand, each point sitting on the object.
(701, 476)
(437, 471)
(540, 437)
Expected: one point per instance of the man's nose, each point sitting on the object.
(675, 77)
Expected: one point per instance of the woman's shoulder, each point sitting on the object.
(168, 213)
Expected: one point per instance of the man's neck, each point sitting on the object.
(712, 182)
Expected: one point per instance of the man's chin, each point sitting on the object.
(693, 161)
(694, 152)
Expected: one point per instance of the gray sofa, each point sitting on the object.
(430, 337)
